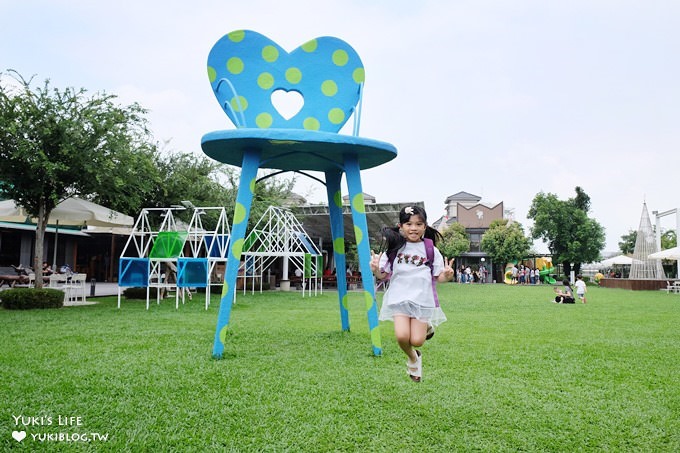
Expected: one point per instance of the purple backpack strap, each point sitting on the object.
(429, 252)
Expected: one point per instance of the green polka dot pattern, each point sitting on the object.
(358, 203)
(247, 66)
(223, 334)
(311, 124)
(358, 234)
(376, 341)
(339, 245)
(237, 249)
(239, 213)
(368, 299)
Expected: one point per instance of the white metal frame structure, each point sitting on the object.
(213, 245)
(196, 242)
(278, 234)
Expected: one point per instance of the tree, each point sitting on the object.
(572, 237)
(669, 239)
(198, 179)
(455, 241)
(627, 243)
(505, 241)
(269, 191)
(206, 182)
(587, 242)
(55, 144)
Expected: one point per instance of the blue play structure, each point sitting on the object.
(174, 257)
(246, 70)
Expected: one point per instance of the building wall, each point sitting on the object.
(479, 216)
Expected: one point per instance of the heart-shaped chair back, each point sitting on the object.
(248, 71)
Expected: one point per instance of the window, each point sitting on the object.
(475, 241)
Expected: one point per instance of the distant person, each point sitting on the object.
(46, 269)
(171, 278)
(564, 295)
(581, 289)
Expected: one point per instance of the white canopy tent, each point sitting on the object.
(69, 212)
(668, 254)
(622, 260)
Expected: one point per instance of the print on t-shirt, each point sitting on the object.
(411, 259)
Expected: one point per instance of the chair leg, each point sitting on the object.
(356, 196)
(333, 179)
(244, 199)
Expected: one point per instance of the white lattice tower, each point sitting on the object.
(645, 244)
(278, 234)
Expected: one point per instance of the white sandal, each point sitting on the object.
(415, 370)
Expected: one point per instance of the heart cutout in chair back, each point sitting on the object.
(287, 103)
(246, 68)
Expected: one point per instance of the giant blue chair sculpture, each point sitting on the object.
(245, 69)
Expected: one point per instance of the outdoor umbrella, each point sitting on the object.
(71, 212)
(668, 254)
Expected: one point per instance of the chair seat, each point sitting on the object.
(295, 149)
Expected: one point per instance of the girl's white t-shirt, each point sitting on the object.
(411, 277)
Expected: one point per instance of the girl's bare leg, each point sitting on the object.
(418, 332)
(409, 333)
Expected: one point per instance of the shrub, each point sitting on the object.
(27, 298)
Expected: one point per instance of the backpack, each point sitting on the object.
(429, 253)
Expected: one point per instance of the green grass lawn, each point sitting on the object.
(509, 371)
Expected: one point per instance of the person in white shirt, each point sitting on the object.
(411, 301)
(581, 289)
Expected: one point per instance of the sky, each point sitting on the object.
(501, 99)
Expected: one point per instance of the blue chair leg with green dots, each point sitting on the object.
(244, 200)
(333, 179)
(356, 196)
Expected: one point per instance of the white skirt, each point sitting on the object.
(429, 315)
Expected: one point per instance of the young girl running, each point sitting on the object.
(410, 301)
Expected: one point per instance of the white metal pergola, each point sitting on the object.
(659, 215)
(278, 234)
